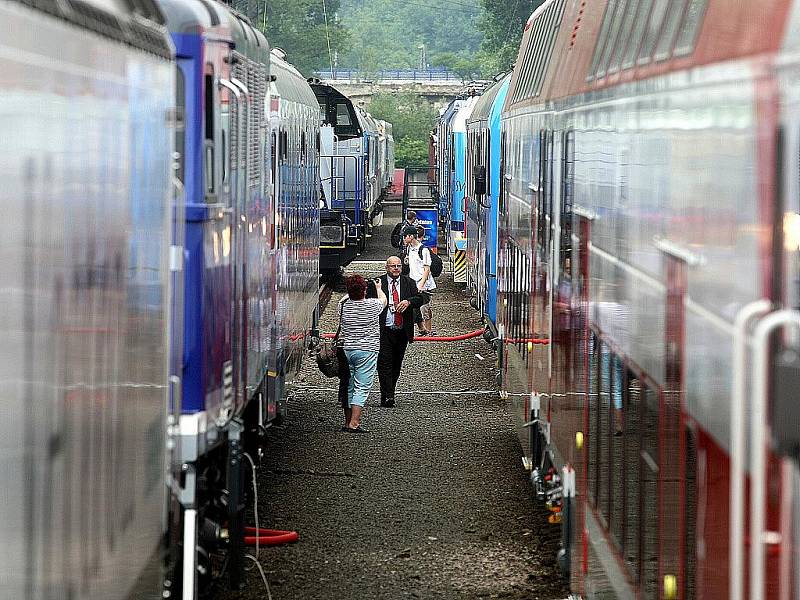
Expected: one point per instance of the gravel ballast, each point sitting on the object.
(432, 503)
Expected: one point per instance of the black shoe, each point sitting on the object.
(389, 403)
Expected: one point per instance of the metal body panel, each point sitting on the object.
(85, 157)
(292, 283)
(653, 160)
(484, 134)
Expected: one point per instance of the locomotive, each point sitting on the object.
(644, 177)
(153, 329)
(356, 168)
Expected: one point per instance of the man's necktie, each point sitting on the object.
(398, 316)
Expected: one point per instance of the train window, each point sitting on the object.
(274, 165)
(635, 40)
(343, 114)
(209, 166)
(687, 38)
(670, 29)
(593, 399)
(649, 459)
(630, 473)
(503, 201)
(624, 35)
(613, 34)
(603, 438)
(602, 38)
(488, 162)
(567, 200)
(693, 468)
(651, 35)
(617, 481)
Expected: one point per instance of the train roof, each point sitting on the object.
(290, 84)
(138, 24)
(198, 16)
(450, 112)
(484, 105)
(460, 119)
(573, 47)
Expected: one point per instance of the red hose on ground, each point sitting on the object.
(466, 336)
(269, 537)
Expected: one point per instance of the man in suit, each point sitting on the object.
(397, 326)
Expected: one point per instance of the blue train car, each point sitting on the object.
(248, 160)
(483, 193)
(452, 148)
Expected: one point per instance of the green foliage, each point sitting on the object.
(411, 153)
(298, 28)
(503, 24)
(412, 119)
(387, 34)
(466, 68)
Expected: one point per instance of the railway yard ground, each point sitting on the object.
(432, 503)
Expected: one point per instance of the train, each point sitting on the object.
(357, 168)
(640, 286)
(161, 168)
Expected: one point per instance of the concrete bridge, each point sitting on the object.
(437, 93)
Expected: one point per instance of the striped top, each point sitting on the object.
(361, 324)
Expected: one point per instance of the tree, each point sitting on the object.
(298, 27)
(503, 24)
(399, 34)
(412, 119)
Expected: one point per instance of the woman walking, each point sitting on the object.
(361, 337)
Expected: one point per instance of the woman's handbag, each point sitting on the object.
(327, 360)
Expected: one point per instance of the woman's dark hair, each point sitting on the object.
(356, 286)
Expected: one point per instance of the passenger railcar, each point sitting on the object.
(451, 160)
(353, 178)
(647, 290)
(85, 156)
(481, 199)
(247, 157)
(294, 121)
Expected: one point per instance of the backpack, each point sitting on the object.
(436, 262)
(395, 239)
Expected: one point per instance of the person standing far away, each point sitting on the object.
(397, 326)
(419, 269)
(360, 330)
(397, 236)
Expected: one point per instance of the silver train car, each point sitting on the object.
(85, 157)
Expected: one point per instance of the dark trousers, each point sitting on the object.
(390, 359)
(344, 376)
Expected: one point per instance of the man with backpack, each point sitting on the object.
(418, 259)
(397, 235)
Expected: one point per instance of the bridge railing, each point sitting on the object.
(389, 75)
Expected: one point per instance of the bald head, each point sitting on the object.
(393, 266)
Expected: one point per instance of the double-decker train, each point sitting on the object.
(357, 168)
(645, 178)
(161, 260)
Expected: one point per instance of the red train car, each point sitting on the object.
(647, 290)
